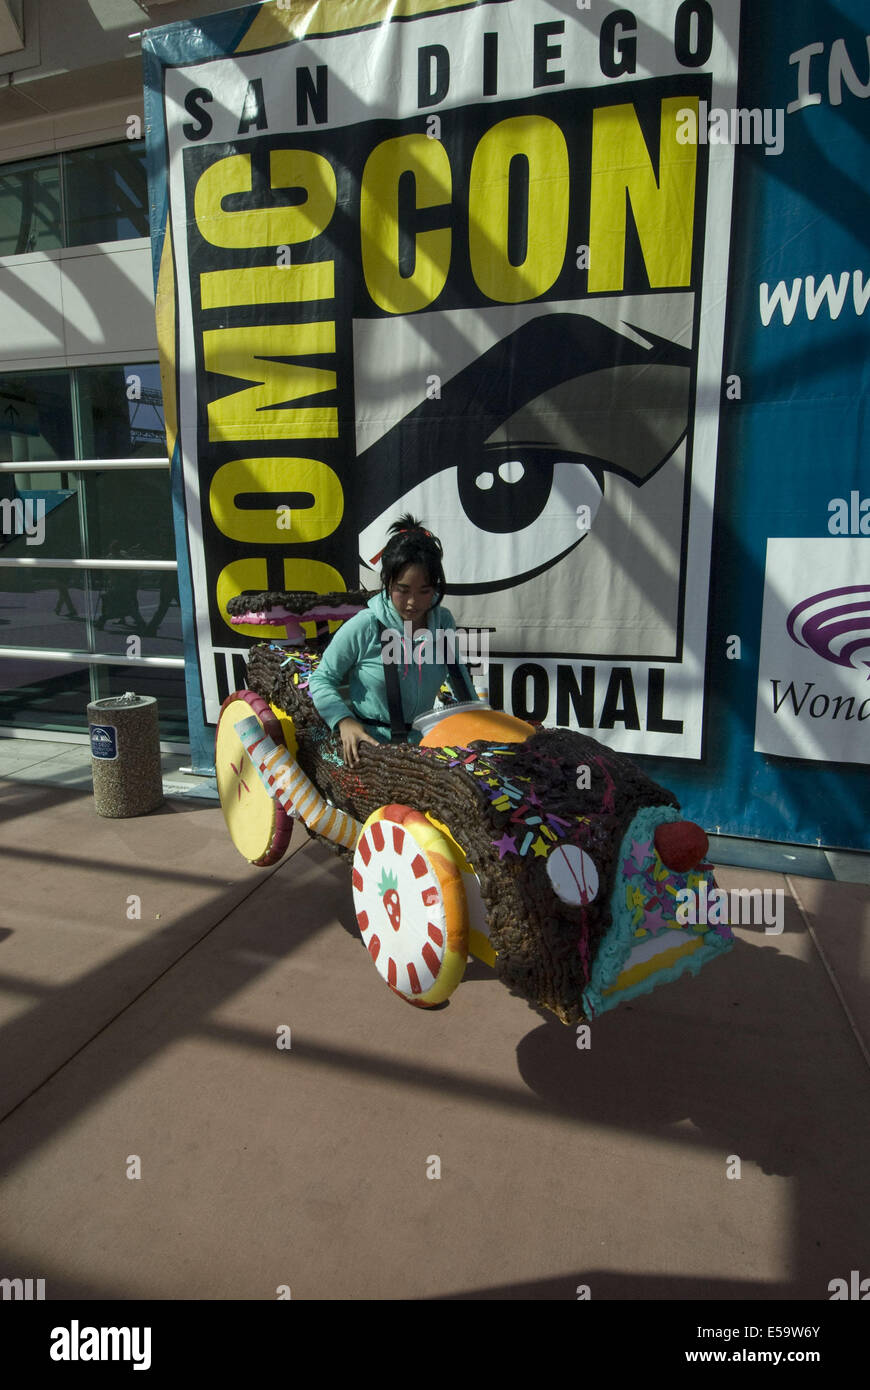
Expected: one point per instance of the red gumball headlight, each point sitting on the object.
(681, 844)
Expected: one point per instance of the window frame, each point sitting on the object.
(59, 158)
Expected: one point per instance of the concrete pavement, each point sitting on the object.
(148, 1044)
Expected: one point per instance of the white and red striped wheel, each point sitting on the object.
(410, 904)
(259, 826)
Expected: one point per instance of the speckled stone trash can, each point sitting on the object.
(125, 755)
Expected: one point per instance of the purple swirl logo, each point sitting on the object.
(835, 625)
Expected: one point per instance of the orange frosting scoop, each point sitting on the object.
(459, 730)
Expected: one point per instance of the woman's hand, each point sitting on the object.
(352, 735)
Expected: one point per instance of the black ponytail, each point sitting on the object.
(412, 544)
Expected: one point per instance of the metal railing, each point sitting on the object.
(76, 465)
(30, 562)
(143, 564)
(92, 658)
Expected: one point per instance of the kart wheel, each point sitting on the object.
(259, 826)
(410, 904)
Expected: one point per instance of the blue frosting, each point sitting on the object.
(617, 944)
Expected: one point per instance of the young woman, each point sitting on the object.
(412, 579)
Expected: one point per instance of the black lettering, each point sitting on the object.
(620, 684)
(406, 201)
(688, 56)
(518, 210)
(192, 105)
(544, 52)
(490, 65)
(429, 93)
(655, 698)
(840, 701)
(253, 107)
(540, 704)
(311, 93)
(581, 697)
(617, 43)
(495, 681)
(224, 677)
(779, 700)
(221, 677)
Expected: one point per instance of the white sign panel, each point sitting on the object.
(814, 666)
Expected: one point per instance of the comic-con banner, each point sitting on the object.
(467, 261)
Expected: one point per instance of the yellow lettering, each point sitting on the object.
(663, 208)
(243, 352)
(276, 226)
(276, 476)
(428, 161)
(543, 144)
(267, 284)
(234, 579)
(252, 574)
(317, 576)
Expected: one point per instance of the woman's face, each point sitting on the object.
(412, 594)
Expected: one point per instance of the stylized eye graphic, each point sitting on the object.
(519, 442)
(536, 500)
(511, 485)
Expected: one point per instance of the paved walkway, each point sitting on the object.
(147, 973)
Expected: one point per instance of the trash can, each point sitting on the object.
(125, 755)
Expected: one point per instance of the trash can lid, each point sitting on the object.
(126, 701)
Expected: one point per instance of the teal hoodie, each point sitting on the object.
(353, 658)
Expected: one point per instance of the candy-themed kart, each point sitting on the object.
(551, 858)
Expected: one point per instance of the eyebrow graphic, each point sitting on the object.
(562, 384)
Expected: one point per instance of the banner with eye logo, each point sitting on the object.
(468, 261)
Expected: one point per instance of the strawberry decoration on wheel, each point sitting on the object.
(410, 904)
(390, 898)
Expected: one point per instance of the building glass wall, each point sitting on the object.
(105, 193)
(74, 198)
(73, 630)
(121, 512)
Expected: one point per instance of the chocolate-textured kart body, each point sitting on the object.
(540, 851)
